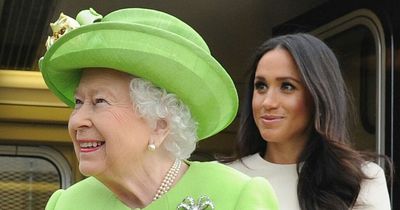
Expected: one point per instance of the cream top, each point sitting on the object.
(283, 178)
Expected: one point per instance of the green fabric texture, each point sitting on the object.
(154, 46)
(227, 188)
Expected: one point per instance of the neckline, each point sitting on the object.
(168, 180)
(256, 160)
(177, 186)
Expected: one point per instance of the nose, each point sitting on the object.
(271, 100)
(80, 118)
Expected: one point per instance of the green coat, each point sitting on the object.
(227, 189)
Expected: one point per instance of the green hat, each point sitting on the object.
(148, 44)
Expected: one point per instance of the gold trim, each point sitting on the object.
(29, 111)
(21, 79)
(23, 132)
(29, 186)
(37, 114)
(26, 88)
(24, 97)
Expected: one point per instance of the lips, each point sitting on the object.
(90, 145)
(271, 119)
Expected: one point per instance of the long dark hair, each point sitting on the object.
(330, 173)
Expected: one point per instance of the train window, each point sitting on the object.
(358, 64)
(26, 182)
(357, 40)
(29, 175)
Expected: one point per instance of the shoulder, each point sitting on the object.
(228, 183)
(254, 165)
(85, 194)
(249, 162)
(375, 175)
(257, 193)
(84, 187)
(372, 170)
(218, 171)
(215, 170)
(247, 159)
(373, 193)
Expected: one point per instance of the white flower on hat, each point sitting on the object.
(63, 25)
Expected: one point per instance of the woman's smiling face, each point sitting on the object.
(282, 105)
(105, 129)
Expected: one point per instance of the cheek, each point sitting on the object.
(72, 134)
(129, 123)
(119, 118)
(300, 107)
(71, 129)
(256, 103)
(303, 107)
(125, 118)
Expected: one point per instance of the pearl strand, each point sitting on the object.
(168, 179)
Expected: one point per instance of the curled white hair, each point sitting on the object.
(154, 103)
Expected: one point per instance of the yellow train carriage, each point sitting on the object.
(36, 155)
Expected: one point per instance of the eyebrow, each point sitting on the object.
(102, 90)
(279, 79)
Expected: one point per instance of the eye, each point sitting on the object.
(78, 103)
(100, 101)
(260, 86)
(288, 87)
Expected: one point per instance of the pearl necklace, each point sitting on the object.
(168, 179)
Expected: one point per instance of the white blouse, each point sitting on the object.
(283, 178)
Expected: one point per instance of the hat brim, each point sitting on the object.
(156, 55)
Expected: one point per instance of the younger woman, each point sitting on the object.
(293, 130)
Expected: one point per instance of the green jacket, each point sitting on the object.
(225, 187)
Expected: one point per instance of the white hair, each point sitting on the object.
(154, 103)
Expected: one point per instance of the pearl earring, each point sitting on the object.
(151, 147)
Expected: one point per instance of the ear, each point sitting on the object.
(160, 132)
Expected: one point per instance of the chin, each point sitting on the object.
(271, 138)
(87, 169)
(84, 171)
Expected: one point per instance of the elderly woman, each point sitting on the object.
(144, 89)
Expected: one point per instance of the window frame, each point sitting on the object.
(368, 19)
(44, 152)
